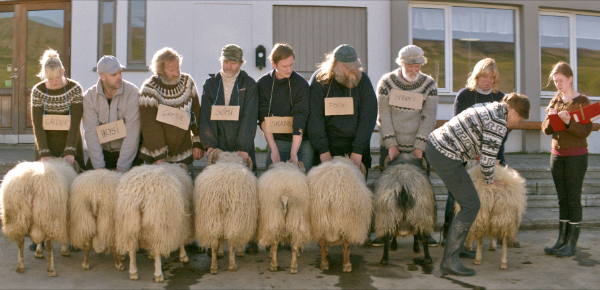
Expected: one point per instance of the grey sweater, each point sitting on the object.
(406, 128)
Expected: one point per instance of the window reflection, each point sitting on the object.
(554, 42)
(107, 28)
(137, 31)
(478, 33)
(6, 49)
(428, 33)
(44, 30)
(588, 55)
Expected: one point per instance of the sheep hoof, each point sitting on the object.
(159, 279)
(120, 267)
(65, 253)
(324, 266)
(133, 276)
(85, 266)
(184, 259)
(347, 268)
(39, 255)
(52, 273)
(503, 266)
(477, 262)
(213, 270)
(232, 268)
(273, 269)
(220, 255)
(293, 270)
(241, 254)
(383, 262)
(20, 269)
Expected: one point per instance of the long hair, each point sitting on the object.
(562, 68)
(161, 57)
(51, 65)
(484, 67)
(327, 74)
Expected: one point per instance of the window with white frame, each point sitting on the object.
(106, 28)
(455, 38)
(575, 39)
(136, 41)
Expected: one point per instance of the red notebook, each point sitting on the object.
(584, 115)
(556, 122)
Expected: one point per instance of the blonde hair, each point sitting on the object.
(484, 67)
(162, 56)
(327, 74)
(51, 65)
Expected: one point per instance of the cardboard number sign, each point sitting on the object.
(225, 113)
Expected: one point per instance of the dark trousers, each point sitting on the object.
(111, 159)
(457, 180)
(568, 173)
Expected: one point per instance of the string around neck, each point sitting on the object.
(273, 86)
(66, 100)
(219, 89)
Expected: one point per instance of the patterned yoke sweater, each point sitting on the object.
(161, 140)
(406, 128)
(58, 102)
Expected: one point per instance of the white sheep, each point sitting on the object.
(340, 207)
(225, 205)
(404, 204)
(92, 205)
(153, 214)
(283, 210)
(502, 208)
(34, 204)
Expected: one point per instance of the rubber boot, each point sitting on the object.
(563, 229)
(466, 253)
(570, 248)
(451, 265)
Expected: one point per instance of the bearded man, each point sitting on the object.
(166, 142)
(342, 132)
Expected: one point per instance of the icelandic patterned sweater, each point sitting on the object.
(161, 140)
(476, 131)
(64, 101)
(406, 128)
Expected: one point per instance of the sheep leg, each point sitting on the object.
(64, 250)
(232, 265)
(118, 259)
(214, 247)
(158, 274)
(347, 266)
(50, 266)
(492, 244)
(386, 250)
(39, 252)
(21, 265)
(183, 255)
(424, 241)
(273, 255)
(132, 266)
(324, 260)
(240, 251)
(478, 258)
(416, 248)
(86, 255)
(220, 247)
(504, 248)
(294, 265)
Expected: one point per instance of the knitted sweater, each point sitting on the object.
(161, 140)
(476, 131)
(576, 134)
(406, 128)
(57, 102)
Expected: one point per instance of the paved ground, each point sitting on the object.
(528, 268)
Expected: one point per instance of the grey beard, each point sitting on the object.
(168, 81)
(348, 81)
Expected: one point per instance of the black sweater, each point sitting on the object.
(355, 128)
(283, 102)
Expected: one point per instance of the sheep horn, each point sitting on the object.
(212, 156)
(249, 163)
(301, 166)
(363, 169)
(386, 162)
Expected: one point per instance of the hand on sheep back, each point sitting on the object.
(501, 207)
(283, 198)
(226, 202)
(417, 210)
(92, 203)
(340, 202)
(150, 210)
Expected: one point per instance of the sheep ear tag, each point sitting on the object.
(173, 116)
(111, 131)
(56, 122)
(339, 106)
(225, 113)
(404, 99)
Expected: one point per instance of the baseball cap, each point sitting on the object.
(347, 55)
(108, 64)
(232, 52)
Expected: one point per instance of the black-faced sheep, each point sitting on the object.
(502, 208)
(225, 205)
(153, 214)
(340, 207)
(283, 210)
(34, 204)
(404, 204)
(92, 205)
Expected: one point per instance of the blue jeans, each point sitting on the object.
(305, 153)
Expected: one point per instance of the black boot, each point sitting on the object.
(570, 248)
(466, 253)
(451, 265)
(563, 230)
